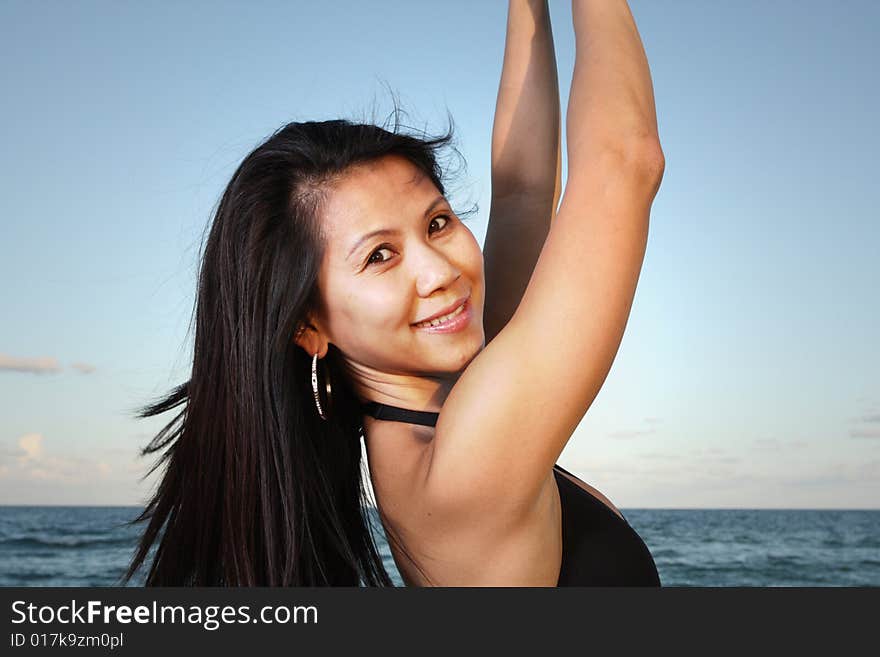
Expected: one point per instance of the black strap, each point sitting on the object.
(397, 414)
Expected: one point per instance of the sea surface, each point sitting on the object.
(91, 546)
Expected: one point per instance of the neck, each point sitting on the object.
(415, 392)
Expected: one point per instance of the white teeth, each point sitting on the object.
(440, 320)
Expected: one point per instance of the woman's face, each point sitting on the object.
(376, 286)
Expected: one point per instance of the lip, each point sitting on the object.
(455, 304)
(453, 325)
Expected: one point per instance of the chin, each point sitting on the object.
(472, 353)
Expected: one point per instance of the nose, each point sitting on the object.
(434, 270)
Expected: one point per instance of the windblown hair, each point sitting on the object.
(257, 489)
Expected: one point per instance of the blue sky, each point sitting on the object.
(747, 376)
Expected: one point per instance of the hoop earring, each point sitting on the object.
(315, 386)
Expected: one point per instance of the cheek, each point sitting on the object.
(472, 265)
(367, 309)
(473, 256)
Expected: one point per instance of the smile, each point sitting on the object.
(449, 322)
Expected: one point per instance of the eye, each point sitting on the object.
(445, 220)
(373, 261)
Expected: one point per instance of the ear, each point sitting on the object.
(311, 338)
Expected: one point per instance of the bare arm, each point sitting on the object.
(611, 104)
(525, 160)
(514, 408)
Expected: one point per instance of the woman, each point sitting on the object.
(341, 297)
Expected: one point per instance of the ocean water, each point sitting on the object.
(91, 546)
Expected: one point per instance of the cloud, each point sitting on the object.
(30, 461)
(660, 456)
(38, 469)
(775, 444)
(870, 424)
(43, 365)
(652, 423)
(630, 433)
(864, 433)
(728, 471)
(838, 473)
(31, 446)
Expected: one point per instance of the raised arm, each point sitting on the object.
(525, 160)
(509, 416)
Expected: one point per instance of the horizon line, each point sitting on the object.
(622, 508)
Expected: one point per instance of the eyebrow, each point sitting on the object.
(390, 231)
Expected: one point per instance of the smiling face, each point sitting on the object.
(396, 254)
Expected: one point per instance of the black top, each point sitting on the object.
(599, 548)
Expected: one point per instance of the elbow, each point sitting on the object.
(656, 160)
(638, 160)
(646, 160)
(653, 165)
(642, 163)
(634, 165)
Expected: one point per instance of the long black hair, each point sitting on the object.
(257, 490)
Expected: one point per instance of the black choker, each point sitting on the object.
(397, 414)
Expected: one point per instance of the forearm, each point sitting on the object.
(611, 104)
(525, 133)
